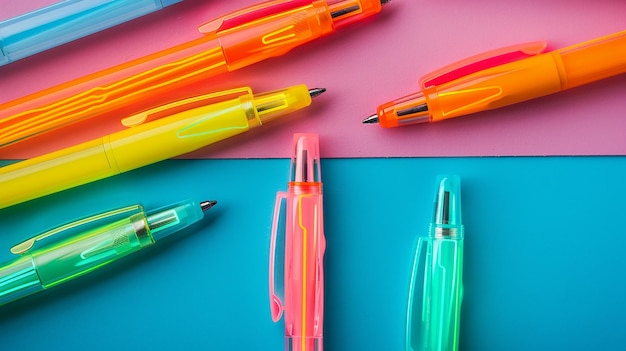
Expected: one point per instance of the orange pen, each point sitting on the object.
(505, 77)
(230, 42)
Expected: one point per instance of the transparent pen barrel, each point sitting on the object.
(121, 90)
(93, 249)
(435, 307)
(18, 279)
(304, 273)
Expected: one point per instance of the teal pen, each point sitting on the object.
(436, 288)
(65, 21)
(90, 243)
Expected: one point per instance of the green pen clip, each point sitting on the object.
(76, 227)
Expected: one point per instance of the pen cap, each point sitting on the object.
(173, 218)
(344, 12)
(447, 221)
(305, 162)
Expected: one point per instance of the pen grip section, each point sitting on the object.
(305, 245)
(435, 295)
(274, 35)
(92, 249)
(494, 87)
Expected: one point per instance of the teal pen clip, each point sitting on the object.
(65, 21)
(88, 244)
(436, 288)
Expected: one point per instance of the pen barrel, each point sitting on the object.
(80, 254)
(528, 78)
(63, 22)
(124, 89)
(435, 306)
(182, 133)
(56, 171)
(275, 35)
(304, 271)
(593, 60)
(18, 279)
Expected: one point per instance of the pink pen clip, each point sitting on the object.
(251, 14)
(303, 302)
(482, 61)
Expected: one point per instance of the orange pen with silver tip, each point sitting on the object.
(230, 42)
(504, 77)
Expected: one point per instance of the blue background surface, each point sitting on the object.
(544, 257)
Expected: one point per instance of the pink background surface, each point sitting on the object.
(362, 66)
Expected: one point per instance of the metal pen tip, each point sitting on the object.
(316, 92)
(206, 205)
(371, 119)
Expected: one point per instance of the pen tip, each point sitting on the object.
(206, 205)
(316, 92)
(382, 2)
(371, 119)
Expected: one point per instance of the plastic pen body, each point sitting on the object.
(89, 244)
(304, 269)
(65, 21)
(144, 144)
(230, 42)
(436, 289)
(305, 244)
(127, 88)
(510, 83)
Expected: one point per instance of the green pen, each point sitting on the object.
(90, 243)
(436, 288)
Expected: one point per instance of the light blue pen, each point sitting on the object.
(65, 21)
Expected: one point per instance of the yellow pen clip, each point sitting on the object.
(184, 105)
(79, 225)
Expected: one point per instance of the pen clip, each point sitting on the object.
(78, 226)
(184, 105)
(481, 62)
(276, 304)
(250, 14)
(415, 305)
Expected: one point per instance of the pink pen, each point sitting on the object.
(304, 250)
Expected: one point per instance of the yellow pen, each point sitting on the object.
(185, 126)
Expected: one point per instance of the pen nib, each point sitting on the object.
(371, 119)
(206, 205)
(316, 92)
